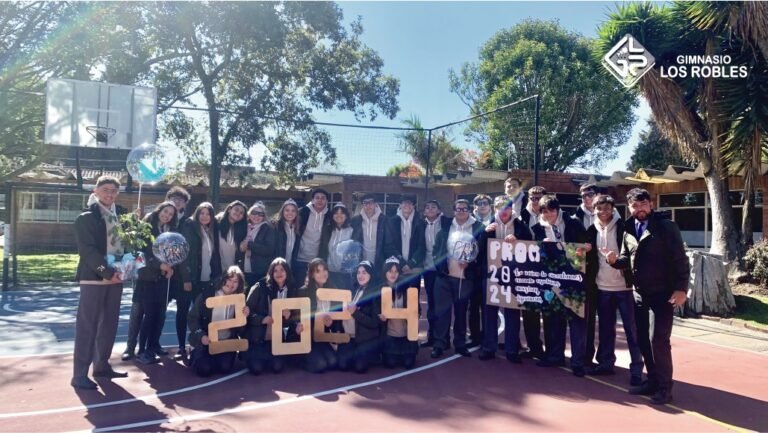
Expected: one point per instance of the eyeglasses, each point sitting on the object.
(483, 203)
(369, 202)
(261, 214)
(536, 197)
(588, 195)
(461, 209)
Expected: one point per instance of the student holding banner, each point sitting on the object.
(398, 349)
(233, 228)
(152, 287)
(614, 287)
(364, 328)
(202, 266)
(504, 225)
(278, 284)
(202, 362)
(434, 222)
(258, 245)
(456, 281)
(323, 356)
(556, 226)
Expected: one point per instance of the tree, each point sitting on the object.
(261, 69)
(584, 115)
(407, 170)
(654, 151)
(693, 112)
(439, 156)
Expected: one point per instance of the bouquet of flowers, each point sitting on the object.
(134, 235)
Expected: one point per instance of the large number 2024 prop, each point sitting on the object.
(215, 346)
(172, 249)
(147, 164)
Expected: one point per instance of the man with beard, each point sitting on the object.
(653, 249)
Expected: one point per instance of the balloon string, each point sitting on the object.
(138, 203)
(168, 292)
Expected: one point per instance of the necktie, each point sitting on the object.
(556, 231)
(640, 229)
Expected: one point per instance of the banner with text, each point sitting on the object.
(538, 276)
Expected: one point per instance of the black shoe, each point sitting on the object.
(513, 358)
(578, 371)
(463, 351)
(82, 382)
(635, 381)
(486, 355)
(147, 357)
(110, 374)
(472, 343)
(436, 352)
(159, 351)
(662, 396)
(601, 371)
(646, 388)
(181, 355)
(532, 354)
(428, 343)
(128, 354)
(547, 363)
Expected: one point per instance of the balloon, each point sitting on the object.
(147, 163)
(170, 248)
(462, 247)
(349, 253)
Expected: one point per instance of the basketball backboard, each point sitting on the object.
(92, 114)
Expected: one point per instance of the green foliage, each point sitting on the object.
(407, 169)
(441, 156)
(654, 151)
(756, 262)
(585, 115)
(134, 233)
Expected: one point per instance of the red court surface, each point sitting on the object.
(716, 389)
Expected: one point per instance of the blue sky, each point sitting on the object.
(421, 41)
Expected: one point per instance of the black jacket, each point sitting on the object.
(594, 256)
(259, 299)
(475, 270)
(281, 243)
(367, 324)
(91, 238)
(192, 267)
(574, 230)
(658, 261)
(240, 232)
(357, 224)
(304, 213)
(199, 318)
(393, 241)
(262, 250)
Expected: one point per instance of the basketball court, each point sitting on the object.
(718, 388)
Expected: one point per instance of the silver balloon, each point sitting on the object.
(170, 248)
(147, 163)
(349, 254)
(462, 247)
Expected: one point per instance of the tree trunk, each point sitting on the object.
(724, 233)
(710, 290)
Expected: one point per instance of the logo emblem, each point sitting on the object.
(628, 61)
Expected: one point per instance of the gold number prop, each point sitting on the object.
(304, 345)
(343, 296)
(233, 344)
(410, 313)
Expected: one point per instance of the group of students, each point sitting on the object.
(241, 251)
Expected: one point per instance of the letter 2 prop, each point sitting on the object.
(410, 313)
(304, 345)
(343, 296)
(232, 344)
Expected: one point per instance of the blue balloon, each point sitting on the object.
(147, 163)
(349, 253)
(170, 248)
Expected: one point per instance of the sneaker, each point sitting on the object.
(159, 351)
(646, 388)
(486, 355)
(514, 358)
(635, 381)
(82, 382)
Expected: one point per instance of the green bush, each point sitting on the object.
(756, 261)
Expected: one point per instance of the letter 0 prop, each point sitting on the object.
(304, 345)
(233, 344)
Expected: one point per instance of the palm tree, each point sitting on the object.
(741, 28)
(681, 106)
(440, 156)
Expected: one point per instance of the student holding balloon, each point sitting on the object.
(152, 286)
(334, 245)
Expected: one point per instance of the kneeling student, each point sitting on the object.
(398, 350)
(364, 328)
(201, 361)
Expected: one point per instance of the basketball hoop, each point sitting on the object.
(102, 134)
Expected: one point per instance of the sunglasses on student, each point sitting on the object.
(588, 195)
(461, 209)
(261, 214)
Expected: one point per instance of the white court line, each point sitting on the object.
(125, 401)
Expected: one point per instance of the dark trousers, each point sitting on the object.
(656, 350)
(590, 308)
(204, 364)
(134, 324)
(558, 324)
(532, 330)
(154, 320)
(429, 287)
(321, 359)
(98, 312)
(260, 358)
(184, 301)
(300, 272)
(624, 301)
(358, 356)
(451, 296)
(476, 301)
(511, 329)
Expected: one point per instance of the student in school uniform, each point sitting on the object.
(398, 350)
(202, 362)
(405, 240)
(323, 356)
(287, 234)
(278, 284)
(233, 228)
(364, 328)
(340, 230)
(504, 225)
(532, 319)
(371, 224)
(434, 222)
(313, 218)
(258, 245)
(556, 226)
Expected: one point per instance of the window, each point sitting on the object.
(692, 199)
(51, 207)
